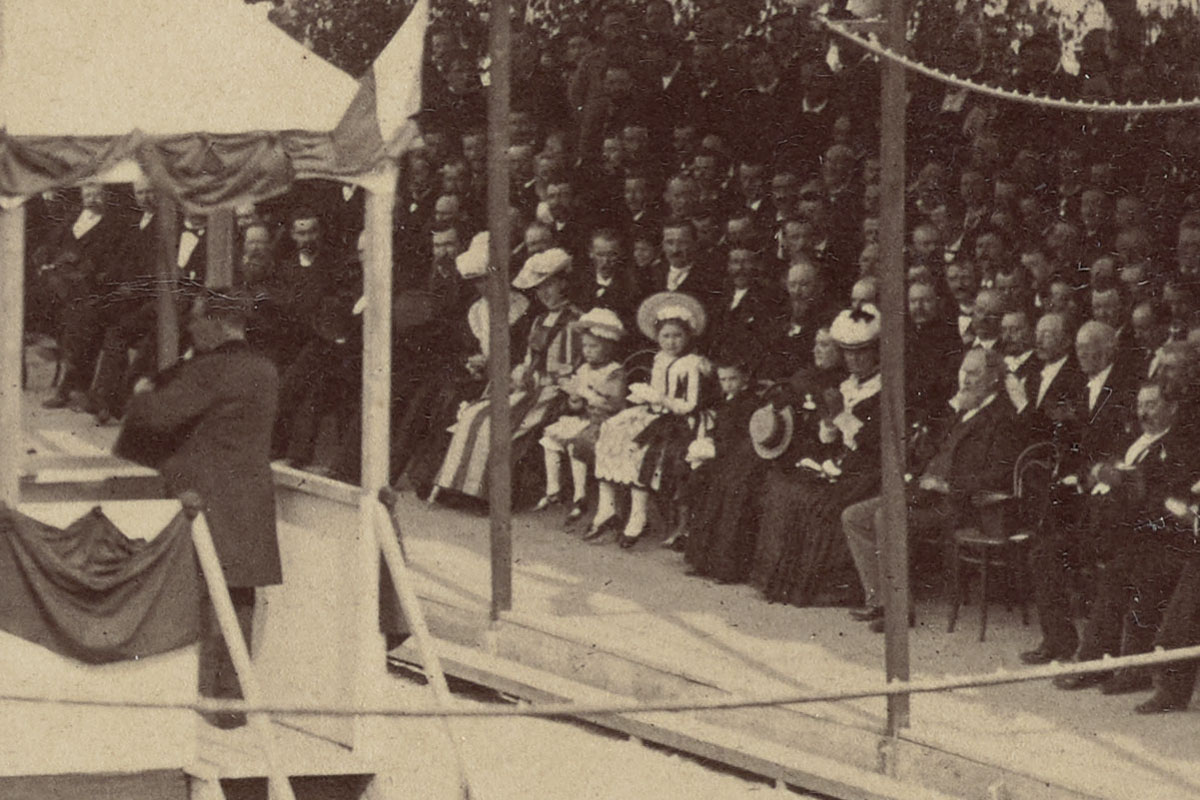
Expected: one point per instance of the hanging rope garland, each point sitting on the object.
(1082, 106)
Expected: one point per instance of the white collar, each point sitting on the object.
(738, 295)
(1100, 378)
(1095, 384)
(1051, 368)
(1140, 445)
(1016, 362)
(854, 392)
(955, 403)
(605, 282)
(809, 108)
(86, 220)
(305, 259)
(986, 344)
(144, 222)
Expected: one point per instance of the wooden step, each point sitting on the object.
(680, 731)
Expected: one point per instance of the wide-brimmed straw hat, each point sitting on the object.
(602, 322)
(541, 266)
(473, 262)
(674, 306)
(856, 327)
(771, 431)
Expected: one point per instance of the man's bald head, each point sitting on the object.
(1051, 338)
(1095, 344)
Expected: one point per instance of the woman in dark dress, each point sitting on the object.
(798, 399)
(802, 508)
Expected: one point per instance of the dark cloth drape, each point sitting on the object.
(203, 172)
(93, 594)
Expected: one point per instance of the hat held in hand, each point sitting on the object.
(771, 431)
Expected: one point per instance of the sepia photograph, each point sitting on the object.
(599, 399)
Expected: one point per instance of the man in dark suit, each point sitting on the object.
(132, 309)
(205, 424)
(73, 266)
(609, 284)
(976, 453)
(683, 271)
(1135, 572)
(744, 311)
(1099, 421)
(931, 345)
(1057, 385)
(790, 344)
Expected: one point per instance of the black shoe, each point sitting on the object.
(578, 509)
(1042, 655)
(56, 401)
(867, 613)
(597, 532)
(1073, 683)
(628, 541)
(225, 720)
(1160, 704)
(680, 544)
(1127, 682)
(878, 624)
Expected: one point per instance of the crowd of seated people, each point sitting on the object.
(694, 321)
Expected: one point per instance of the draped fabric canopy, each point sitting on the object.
(213, 102)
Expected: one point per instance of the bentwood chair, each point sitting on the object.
(1008, 521)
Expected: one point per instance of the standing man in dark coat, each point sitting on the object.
(205, 424)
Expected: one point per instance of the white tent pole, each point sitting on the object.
(12, 335)
(377, 334)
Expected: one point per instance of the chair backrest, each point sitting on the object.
(638, 365)
(1033, 476)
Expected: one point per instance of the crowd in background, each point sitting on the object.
(693, 315)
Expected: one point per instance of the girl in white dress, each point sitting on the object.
(643, 447)
(595, 391)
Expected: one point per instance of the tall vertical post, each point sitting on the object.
(12, 335)
(219, 248)
(500, 452)
(892, 296)
(166, 221)
(377, 336)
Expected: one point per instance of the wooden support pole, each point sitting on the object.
(377, 335)
(166, 221)
(219, 248)
(893, 301)
(387, 532)
(500, 453)
(218, 593)
(12, 344)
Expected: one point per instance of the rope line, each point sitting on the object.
(566, 710)
(1028, 98)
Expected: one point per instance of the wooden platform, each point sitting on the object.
(631, 624)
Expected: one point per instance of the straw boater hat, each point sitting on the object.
(856, 328)
(601, 322)
(541, 266)
(473, 262)
(477, 316)
(771, 431)
(670, 305)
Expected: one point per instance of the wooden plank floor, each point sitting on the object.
(637, 610)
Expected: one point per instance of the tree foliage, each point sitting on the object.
(1138, 54)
